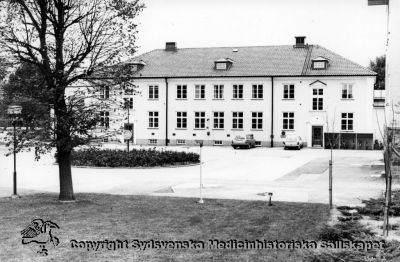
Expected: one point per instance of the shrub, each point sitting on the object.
(135, 158)
(349, 230)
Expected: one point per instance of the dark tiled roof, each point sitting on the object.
(247, 61)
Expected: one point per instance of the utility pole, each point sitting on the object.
(201, 201)
(387, 155)
(330, 181)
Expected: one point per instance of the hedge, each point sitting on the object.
(135, 158)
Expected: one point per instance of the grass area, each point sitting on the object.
(100, 217)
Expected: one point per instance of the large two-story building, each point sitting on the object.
(212, 94)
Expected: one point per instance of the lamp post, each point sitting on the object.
(201, 201)
(14, 111)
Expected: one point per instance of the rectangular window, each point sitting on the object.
(347, 121)
(347, 91)
(218, 120)
(153, 92)
(218, 91)
(200, 91)
(317, 99)
(105, 92)
(288, 91)
(128, 102)
(217, 142)
(237, 91)
(181, 120)
(199, 120)
(152, 141)
(288, 121)
(220, 66)
(257, 92)
(237, 120)
(257, 120)
(153, 119)
(181, 142)
(105, 119)
(181, 92)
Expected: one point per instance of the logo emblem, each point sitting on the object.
(40, 233)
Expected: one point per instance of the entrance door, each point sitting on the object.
(317, 136)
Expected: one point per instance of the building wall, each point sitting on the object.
(305, 117)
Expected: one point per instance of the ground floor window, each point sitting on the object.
(105, 119)
(153, 119)
(288, 121)
(258, 143)
(353, 141)
(200, 120)
(217, 142)
(257, 120)
(181, 142)
(237, 120)
(219, 120)
(347, 121)
(152, 141)
(181, 120)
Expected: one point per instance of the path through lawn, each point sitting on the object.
(99, 217)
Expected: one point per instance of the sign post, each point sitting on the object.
(14, 111)
(127, 137)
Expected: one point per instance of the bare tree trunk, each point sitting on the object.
(64, 166)
(388, 193)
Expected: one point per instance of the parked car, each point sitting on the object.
(245, 142)
(293, 142)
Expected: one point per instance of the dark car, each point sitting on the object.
(244, 142)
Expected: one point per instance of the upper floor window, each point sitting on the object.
(181, 92)
(199, 120)
(288, 121)
(199, 92)
(153, 119)
(219, 120)
(218, 91)
(237, 91)
(221, 66)
(128, 103)
(257, 92)
(105, 92)
(257, 120)
(347, 121)
(181, 120)
(347, 91)
(153, 92)
(317, 99)
(237, 120)
(105, 119)
(288, 91)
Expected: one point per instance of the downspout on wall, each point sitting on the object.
(166, 111)
(272, 111)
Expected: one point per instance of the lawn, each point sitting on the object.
(100, 217)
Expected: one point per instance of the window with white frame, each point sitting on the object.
(217, 142)
(221, 66)
(347, 121)
(237, 91)
(288, 91)
(256, 120)
(181, 91)
(218, 120)
(128, 102)
(218, 91)
(199, 91)
(347, 91)
(257, 91)
(199, 120)
(105, 92)
(181, 120)
(318, 99)
(237, 120)
(288, 121)
(153, 92)
(153, 119)
(105, 119)
(152, 141)
(181, 142)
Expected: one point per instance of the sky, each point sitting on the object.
(350, 28)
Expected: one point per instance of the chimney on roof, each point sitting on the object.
(170, 46)
(300, 41)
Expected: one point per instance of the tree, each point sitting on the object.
(378, 66)
(68, 41)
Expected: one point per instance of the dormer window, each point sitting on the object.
(320, 63)
(136, 65)
(223, 64)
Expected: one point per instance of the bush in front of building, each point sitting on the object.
(135, 158)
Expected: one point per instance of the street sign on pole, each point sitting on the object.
(127, 134)
(14, 109)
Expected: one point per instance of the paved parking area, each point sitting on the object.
(238, 174)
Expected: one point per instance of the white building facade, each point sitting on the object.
(211, 95)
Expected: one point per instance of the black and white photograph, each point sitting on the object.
(188, 130)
